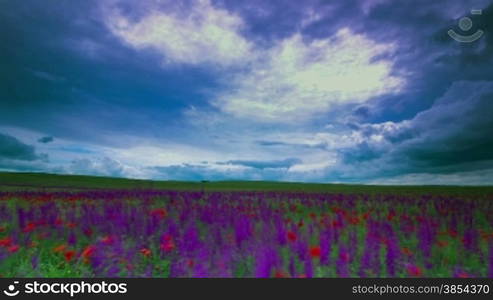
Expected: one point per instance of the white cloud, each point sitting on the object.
(206, 35)
(296, 80)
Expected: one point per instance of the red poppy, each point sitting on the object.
(354, 220)
(292, 237)
(44, 235)
(146, 252)
(2, 229)
(88, 252)
(167, 246)
(315, 252)
(59, 248)
(13, 248)
(335, 209)
(58, 221)
(336, 224)
(69, 255)
(463, 275)
(167, 237)
(413, 270)
(391, 216)
(344, 256)
(87, 232)
(107, 240)
(5, 242)
(190, 263)
(29, 227)
(71, 225)
(160, 213)
(453, 233)
(442, 244)
(406, 251)
(280, 274)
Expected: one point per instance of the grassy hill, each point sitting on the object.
(22, 181)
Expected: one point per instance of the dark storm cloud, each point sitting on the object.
(46, 139)
(64, 74)
(429, 59)
(453, 135)
(12, 148)
(60, 65)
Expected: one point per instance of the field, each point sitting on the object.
(76, 226)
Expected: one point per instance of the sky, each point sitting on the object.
(354, 91)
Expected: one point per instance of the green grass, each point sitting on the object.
(23, 181)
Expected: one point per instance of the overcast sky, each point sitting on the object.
(371, 91)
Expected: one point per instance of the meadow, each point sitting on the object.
(76, 226)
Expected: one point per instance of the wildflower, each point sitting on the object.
(29, 227)
(87, 232)
(292, 237)
(2, 229)
(13, 248)
(344, 256)
(354, 220)
(71, 225)
(280, 274)
(413, 270)
(88, 252)
(406, 251)
(168, 246)
(160, 213)
(315, 252)
(342, 263)
(442, 244)
(59, 248)
(69, 255)
(453, 233)
(190, 263)
(146, 252)
(107, 240)
(462, 274)
(336, 224)
(6, 242)
(391, 215)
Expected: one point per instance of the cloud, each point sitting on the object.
(102, 167)
(12, 148)
(46, 139)
(452, 136)
(274, 164)
(205, 34)
(299, 79)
